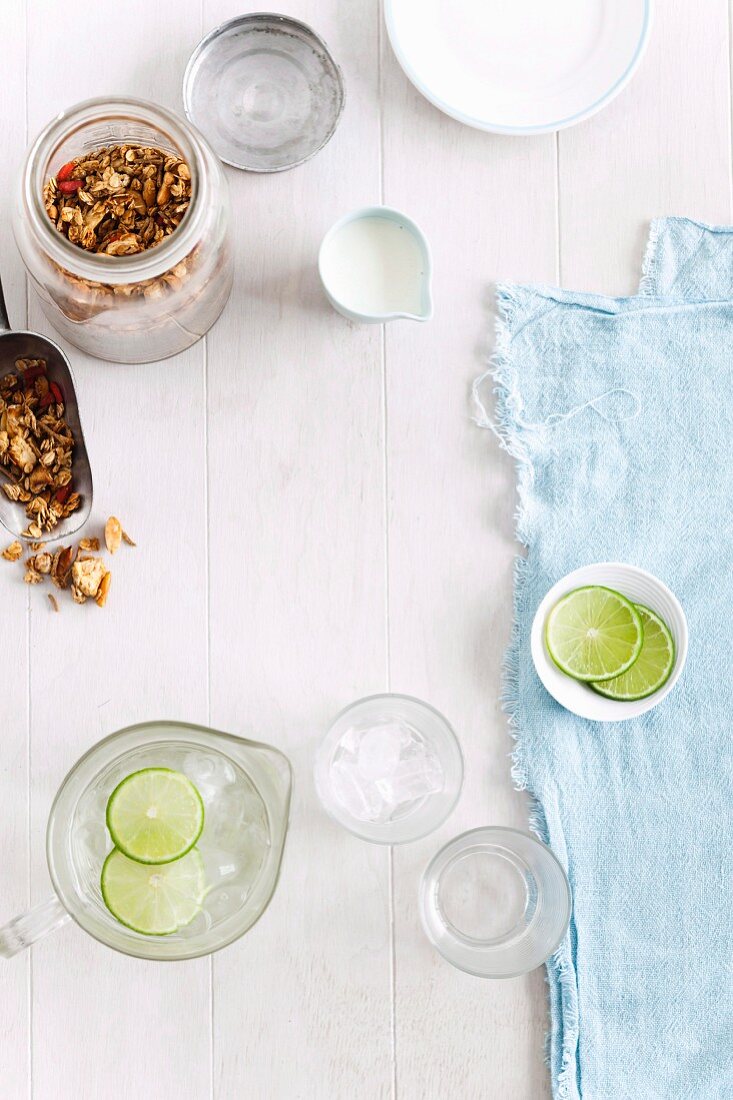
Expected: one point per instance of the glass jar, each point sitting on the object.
(134, 308)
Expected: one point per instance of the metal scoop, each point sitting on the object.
(31, 345)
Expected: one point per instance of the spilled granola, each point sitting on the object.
(13, 552)
(119, 199)
(83, 574)
(113, 534)
(36, 447)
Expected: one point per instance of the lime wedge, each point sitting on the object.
(155, 815)
(652, 668)
(594, 633)
(154, 900)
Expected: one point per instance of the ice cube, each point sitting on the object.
(220, 864)
(379, 751)
(199, 926)
(349, 742)
(414, 778)
(386, 769)
(224, 900)
(93, 838)
(358, 796)
(231, 813)
(209, 772)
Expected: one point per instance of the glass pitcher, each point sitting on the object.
(245, 787)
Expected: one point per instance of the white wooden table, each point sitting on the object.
(317, 519)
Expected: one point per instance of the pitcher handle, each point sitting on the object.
(24, 930)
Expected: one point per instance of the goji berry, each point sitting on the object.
(32, 373)
(63, 494)
(58, 393)
(64, 172)
(68, 187)
(46, 400)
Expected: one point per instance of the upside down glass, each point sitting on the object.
(495, 902)
(246, 789)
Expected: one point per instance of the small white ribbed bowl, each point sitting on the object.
(639, 587)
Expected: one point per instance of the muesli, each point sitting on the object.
(120, 199)
(36, 447)
(84, 574)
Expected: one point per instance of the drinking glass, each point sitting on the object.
(390, 769)
(495, 902)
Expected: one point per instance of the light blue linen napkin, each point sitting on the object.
(619, 413)
(688, 259)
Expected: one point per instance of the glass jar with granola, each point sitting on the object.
(122, 222)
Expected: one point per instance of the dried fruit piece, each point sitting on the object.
(30, 374)
(13, 552)
(61, 566)
(101, 596)
(69, 187)
(113, 534)
(65, 171)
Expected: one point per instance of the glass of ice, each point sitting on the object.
(390, 769)
(245, 787)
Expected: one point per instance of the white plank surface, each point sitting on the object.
(334, 526)
(15, 976)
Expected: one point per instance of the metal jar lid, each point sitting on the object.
(265, 91)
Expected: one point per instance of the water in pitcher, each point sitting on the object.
(233, 844)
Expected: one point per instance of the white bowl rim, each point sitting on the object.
(597, 708)
(496, 127)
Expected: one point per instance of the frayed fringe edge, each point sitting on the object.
(506, 427)
(564, 974)
(648, 283)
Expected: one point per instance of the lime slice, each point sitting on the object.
(155, 815)
(654, 664)
(594, 633)
(154, 900)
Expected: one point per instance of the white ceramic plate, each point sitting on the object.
(519, 66)
(637, 585)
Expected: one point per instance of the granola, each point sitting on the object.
(36, 447)
(84, 574)
(87, 574)
(119, 199)
(13, 552)
(113, 534)
(41, 563)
